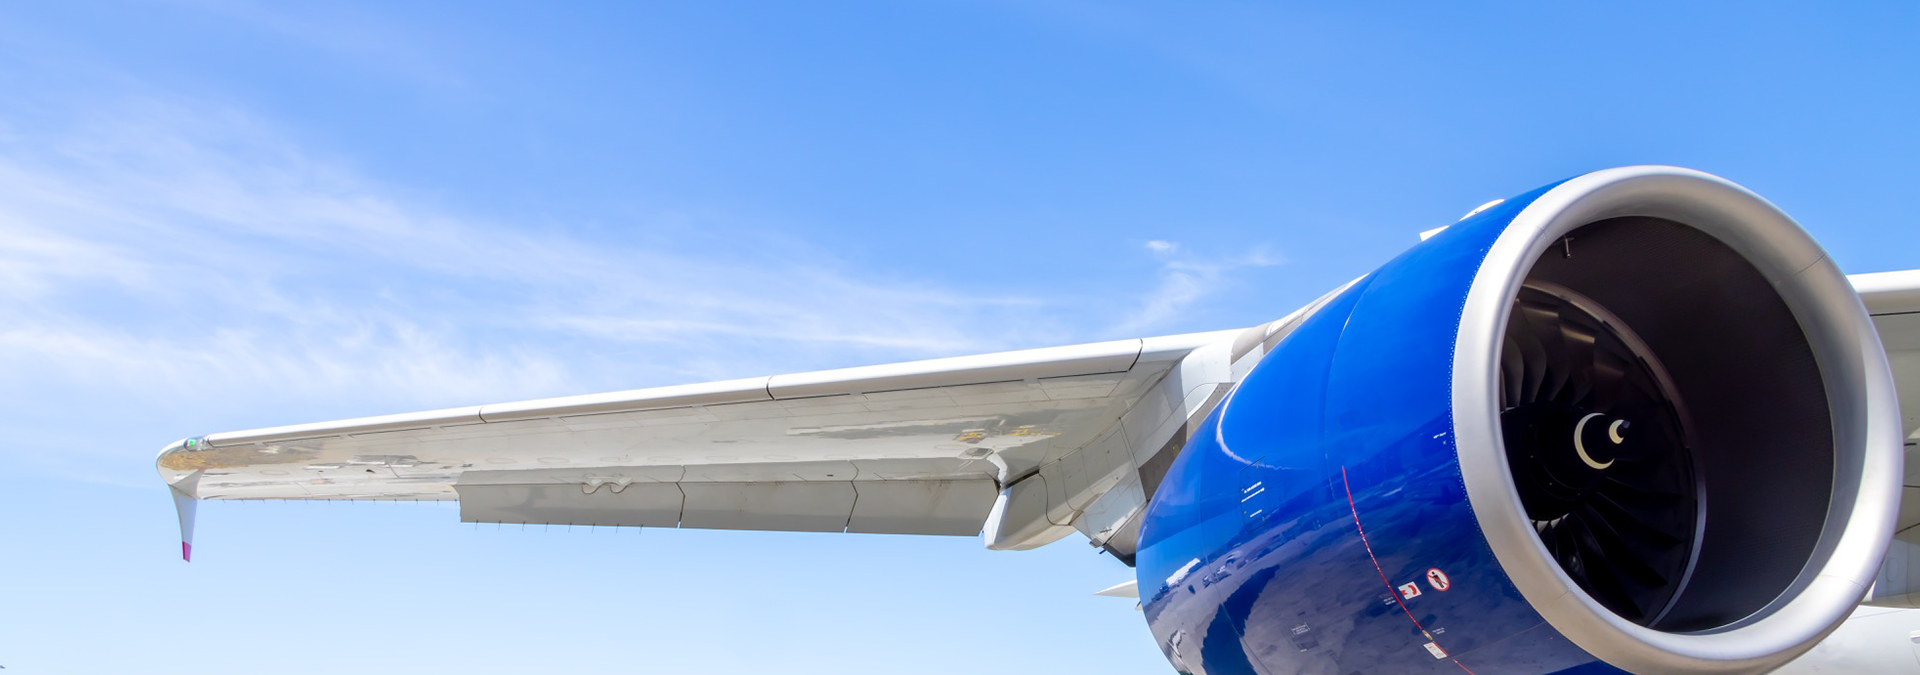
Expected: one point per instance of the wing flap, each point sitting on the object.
(951, 507)
(645, 505)
(785, 506)
(888, 496)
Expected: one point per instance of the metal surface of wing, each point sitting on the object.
(921, 447)
(1893, 298)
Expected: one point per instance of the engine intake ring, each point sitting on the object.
(1794, 419)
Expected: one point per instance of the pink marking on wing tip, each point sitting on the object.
(186, 551)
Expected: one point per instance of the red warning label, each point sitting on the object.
(1437, 579)
(1409, 591)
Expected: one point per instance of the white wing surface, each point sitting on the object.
(925, 447)
(1893, 298)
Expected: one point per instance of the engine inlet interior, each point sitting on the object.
(1666, 424)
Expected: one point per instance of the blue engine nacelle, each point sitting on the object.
(1634, 421)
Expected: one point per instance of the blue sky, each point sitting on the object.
(220, 215)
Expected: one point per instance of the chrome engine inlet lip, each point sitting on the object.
(1853, 367)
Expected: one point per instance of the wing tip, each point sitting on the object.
(186, 551)
(181, 460)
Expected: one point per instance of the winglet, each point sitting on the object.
(184, 506)
(183, 480)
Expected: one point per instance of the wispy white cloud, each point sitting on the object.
(177, 245)
(1184, 280)
(178, 242)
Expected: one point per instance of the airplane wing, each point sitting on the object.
(1893, 298)
(1044, 441)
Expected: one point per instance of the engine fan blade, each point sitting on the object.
(1620, 526)
(1559, 365)
(1636, 500)
(1579, 337)
(1602, 580)
(1533, 355)
(1646, 539)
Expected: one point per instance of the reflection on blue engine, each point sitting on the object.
(1318, 524)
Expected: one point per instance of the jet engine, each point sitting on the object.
(1635, 421)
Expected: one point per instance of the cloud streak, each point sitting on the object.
(182, 246)
(1185, 280)
(179, 242)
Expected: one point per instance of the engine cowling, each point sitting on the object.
(1633, 421)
